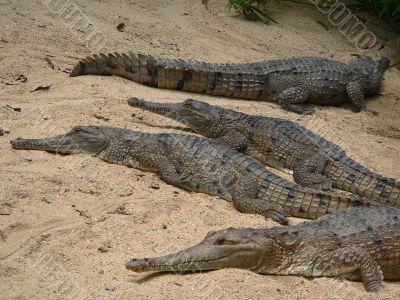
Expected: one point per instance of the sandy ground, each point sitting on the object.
(75, 220)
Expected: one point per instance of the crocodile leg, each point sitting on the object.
(245, 200)
(308, 172)
(347, 260)
(291, 98)
(356, 95)
(261, 207)
(234, 140)
(166, 170)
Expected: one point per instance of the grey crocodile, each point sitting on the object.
(356, 244)
(281, 144)
(199, 164)
(289, 82)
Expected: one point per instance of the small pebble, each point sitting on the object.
(4, 211)
(3, 131)
(100, 219)
(125, 194)
(62, 190)
(103, 249)
(124, 211)
(121, 27)
(109, 287)
(155, 185)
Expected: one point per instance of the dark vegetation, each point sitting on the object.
(387, 10)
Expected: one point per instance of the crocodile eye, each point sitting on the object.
(188, 103)
(223, 241)
(219, 241)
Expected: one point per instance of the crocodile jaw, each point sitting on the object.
(198, 258)
(81, 139)
(222, 249)
(58, 144)
(176, 111)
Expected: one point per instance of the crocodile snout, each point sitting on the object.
(136, 102)
(136, 264)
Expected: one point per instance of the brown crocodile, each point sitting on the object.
(289, 82)
(283, 145)
(200, 164)
(356, 244)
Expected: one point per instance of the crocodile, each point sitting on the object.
(361, 244)
(292, 83)
(199, 164)
(285, 145)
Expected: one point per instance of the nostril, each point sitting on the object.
(135, 100)
(131, 263)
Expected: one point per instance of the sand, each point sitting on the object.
(75, 220)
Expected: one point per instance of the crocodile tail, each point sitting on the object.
(348, 175)
(312, 204)
(303, 202)
(231, 80)
(122, 65)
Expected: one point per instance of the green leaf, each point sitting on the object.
(257, 12)
(396, 12)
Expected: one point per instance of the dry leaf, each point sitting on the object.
(3, 131)
(17, 77)
(41, 87)
(49, 62)
(18, 109)
(20, 77)
(97, 116)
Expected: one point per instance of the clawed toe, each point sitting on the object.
(281, 219)
(307, 109)
(303, 109)
(277, 214)
(369, 111)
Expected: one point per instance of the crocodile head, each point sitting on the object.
(246, 248)
(372, 71)
(205, 119)
(81, 139)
